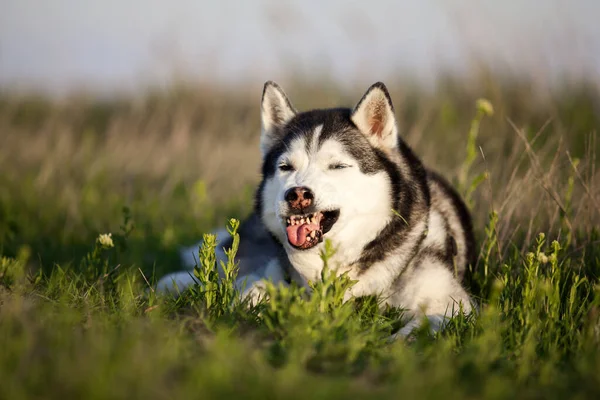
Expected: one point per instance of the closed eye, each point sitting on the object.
(338, 166)
(285, 167)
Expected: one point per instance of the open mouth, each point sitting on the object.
(305, 231)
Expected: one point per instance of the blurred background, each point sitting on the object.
(111, 45)
(154, 106)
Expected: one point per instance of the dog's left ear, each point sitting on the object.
(276, 112)
(374, 117)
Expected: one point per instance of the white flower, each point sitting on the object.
(542, 258)
(105, 239)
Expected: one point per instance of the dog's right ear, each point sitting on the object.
(276, 112)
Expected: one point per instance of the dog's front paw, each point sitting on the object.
(253, 289)
(255, 293)
(432, 323)
(406, 333)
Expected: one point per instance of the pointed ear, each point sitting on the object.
(374, 117)
(276, 112)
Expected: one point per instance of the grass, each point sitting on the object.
(78, 317)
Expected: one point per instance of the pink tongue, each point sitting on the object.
(297, 234)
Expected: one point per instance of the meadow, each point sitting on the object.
(156, 170)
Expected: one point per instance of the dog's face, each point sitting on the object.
(327, 173)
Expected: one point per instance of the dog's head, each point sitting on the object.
(327, 173)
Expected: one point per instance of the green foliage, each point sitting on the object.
(484, 108)
(218, 292)
(11, 271)
(535, 334)
(316, 328)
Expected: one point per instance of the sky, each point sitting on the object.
(60, 45)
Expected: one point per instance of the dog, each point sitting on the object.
(400, 230)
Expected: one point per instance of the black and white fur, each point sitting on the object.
(399, 230)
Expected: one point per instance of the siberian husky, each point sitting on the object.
(400, 230)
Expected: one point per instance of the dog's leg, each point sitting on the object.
(177, 282)
(255, 287)
(433, 292)
(252, 286)
(189, 255)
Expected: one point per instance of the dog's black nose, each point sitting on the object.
(299, 197)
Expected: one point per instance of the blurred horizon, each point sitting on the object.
(128, 45)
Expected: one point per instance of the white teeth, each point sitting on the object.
(302, 219)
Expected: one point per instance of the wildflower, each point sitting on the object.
(105, 239)
(555, 246)
(529, 257)
(485, 107)
(541, 236)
